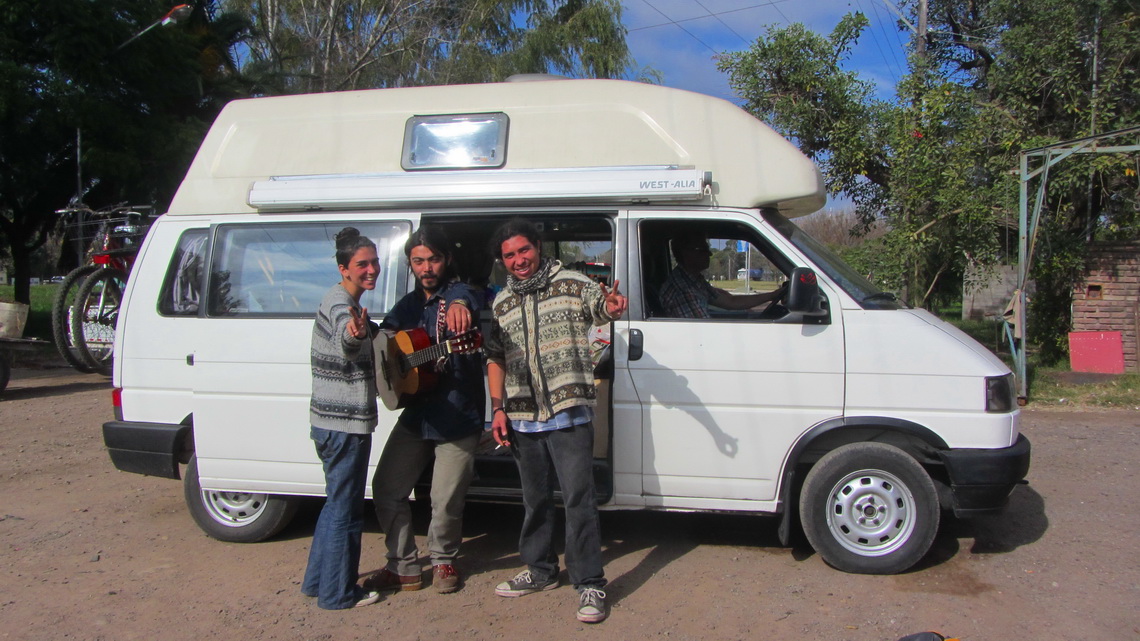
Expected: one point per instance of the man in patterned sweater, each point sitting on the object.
(541, 381)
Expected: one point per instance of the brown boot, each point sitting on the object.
(388, 581)
(445, 578)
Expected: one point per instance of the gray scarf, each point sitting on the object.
(539, 280)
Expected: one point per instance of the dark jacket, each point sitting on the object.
(455, 407)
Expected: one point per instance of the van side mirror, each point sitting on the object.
(803, 293)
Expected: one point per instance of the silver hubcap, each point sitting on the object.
(234, 509)
(871, 513)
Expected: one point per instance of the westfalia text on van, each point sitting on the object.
(839, 408)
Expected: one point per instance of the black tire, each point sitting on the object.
(94, 315)
(61, 308)
(236, 517)
(869, 508)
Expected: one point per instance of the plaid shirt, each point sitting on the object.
(569, 417)
(686, 296)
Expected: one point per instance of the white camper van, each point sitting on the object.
(839, 408)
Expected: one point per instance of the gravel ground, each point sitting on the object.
(93, 553)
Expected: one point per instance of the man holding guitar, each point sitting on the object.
(445, 421)
(541, 377)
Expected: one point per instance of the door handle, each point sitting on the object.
(190, 359)
(636, 344)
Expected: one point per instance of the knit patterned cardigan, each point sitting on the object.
(541, 341)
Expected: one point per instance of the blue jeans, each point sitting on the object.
(334, 558)
(565, 456)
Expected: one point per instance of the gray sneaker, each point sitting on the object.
(524, 584)
(591, 605)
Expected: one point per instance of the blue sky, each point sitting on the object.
(680, 37)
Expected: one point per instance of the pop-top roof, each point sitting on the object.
(565, 125)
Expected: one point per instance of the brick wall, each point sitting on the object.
(1109, 298)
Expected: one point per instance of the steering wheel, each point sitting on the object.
(776, 308)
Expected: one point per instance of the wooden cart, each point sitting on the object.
(7, 347)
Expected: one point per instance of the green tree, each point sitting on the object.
(1043, 73)
(141, 109)
(299, 46)
(907, 163)
(934, 164)
(793, 79)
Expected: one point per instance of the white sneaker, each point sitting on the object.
(368, 598)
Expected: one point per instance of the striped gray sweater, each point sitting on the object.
(344, 379)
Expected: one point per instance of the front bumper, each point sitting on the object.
(981, 480)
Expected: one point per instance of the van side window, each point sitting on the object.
(182, 290)
(284, 269)
(709, 270)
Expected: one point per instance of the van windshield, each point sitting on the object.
(862, 290)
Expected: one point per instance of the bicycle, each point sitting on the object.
(86, 305)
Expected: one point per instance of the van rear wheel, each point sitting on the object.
(236, 517)
(869, 508)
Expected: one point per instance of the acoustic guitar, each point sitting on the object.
(405, 361)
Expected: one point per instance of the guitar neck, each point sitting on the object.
(429, 354)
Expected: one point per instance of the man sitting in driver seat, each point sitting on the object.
(686, 293)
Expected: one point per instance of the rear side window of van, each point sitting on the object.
(182, 289)
(285, 269)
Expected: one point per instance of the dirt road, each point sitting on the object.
(92, 553)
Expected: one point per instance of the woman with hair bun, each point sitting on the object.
(343, 415)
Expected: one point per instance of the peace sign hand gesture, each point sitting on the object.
(358, 326)
(616, 304)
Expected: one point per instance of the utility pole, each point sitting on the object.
(919, 59)
(912, 284)
(920, 46)
(1090, 227)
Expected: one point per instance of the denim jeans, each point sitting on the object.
(334, 557)
(564, 455)
(405, 456)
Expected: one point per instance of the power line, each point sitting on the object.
(710, 14)
(742, 38)
(891, 61)
(776, 6)
(678, 25)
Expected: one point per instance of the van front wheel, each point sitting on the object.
(236, 517)
(869, 508)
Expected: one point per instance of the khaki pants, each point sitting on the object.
(405, 457)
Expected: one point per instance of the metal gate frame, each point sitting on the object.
(1048, 155)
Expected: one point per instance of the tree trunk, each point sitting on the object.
(21, 272)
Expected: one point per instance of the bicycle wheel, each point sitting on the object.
(61, 308)
(94, 315)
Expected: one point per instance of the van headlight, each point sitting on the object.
(999, 393)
